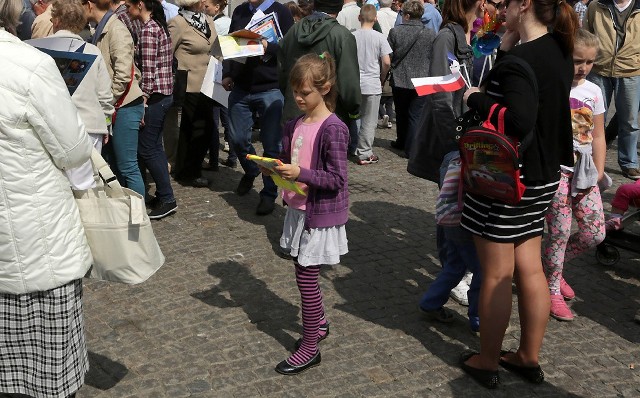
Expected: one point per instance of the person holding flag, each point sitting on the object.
(435, 147)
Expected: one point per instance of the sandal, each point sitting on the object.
(487, 378)
(531, 374)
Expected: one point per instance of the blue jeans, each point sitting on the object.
(151, 154)
(220, 116)
(626, 93)
(124, 147)
(457, 253)
(354, 127)
(268, 105)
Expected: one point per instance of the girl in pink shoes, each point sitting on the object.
(314, 150)
(578, 194)
(626, 195)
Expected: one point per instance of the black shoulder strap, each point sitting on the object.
(394, 65)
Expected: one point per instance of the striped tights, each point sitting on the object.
(312, 313)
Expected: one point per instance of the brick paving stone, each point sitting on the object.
(224, 309)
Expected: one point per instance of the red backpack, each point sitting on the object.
(491, 161)
(490, 158)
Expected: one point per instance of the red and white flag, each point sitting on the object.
(438, 84)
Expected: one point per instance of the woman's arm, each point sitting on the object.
(521, 105)
(103, 86)
(148, 45)
(121, 50)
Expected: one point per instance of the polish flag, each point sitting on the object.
(438, 84)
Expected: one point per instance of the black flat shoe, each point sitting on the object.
(531, 374)
(324, 327)
(487, 378)
(285, 368)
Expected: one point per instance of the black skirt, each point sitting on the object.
(499, 222)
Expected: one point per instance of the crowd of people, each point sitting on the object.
(340, 71)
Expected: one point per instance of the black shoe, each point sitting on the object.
(441, 315)
(324, 327)
(152, 202)
(245, 185)
(488, 378)
(286, 369)
(265, 206)
(229, 163)
(199, 182)
(531, 374)
(397, 145)
(210, 166)
(163, 210)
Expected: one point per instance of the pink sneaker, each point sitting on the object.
(613, 223)
(566, 291)
(559, 308)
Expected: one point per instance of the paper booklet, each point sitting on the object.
(68, 55)
(212, 83)
(245, 42)
(271, 163)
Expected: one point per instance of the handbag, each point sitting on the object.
(118, 229)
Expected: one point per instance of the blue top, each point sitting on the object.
(431, 17)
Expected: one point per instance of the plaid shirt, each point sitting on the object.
(581, 10)
(134, 26)
(153, 58)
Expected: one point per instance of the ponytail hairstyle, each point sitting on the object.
(157, 12)
(563, 21)
(316, 70)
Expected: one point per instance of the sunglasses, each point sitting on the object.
(498, 5)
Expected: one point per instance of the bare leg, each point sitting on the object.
(533, 301)
(497, 262)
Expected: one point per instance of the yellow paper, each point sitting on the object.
(271, 163)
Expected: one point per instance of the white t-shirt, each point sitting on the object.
(372, 46)
(586, 101)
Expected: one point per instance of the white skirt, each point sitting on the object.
(315, 246)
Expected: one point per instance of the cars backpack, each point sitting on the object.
(490, 158)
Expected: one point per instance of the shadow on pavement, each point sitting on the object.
(268, 311)
(103, 372)
(389, 246)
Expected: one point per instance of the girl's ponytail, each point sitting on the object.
(157, 13)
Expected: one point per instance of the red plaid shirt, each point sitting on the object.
(153, 58)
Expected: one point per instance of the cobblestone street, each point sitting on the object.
(224, 309)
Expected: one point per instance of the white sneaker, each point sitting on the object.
(467, 278)
(459, 293)
(226, 147)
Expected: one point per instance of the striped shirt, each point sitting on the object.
(153, 58)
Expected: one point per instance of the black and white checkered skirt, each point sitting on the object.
(42, 342)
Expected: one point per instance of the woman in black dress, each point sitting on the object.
(508, 238)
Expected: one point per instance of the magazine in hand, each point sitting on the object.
(271, 163)
(267, 27)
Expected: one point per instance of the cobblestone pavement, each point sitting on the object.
(224, 309)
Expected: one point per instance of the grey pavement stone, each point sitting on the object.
(224, 309)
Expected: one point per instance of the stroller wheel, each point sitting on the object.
(607, 254)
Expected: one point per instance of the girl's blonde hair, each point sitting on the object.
(317, 70)
(586, 39)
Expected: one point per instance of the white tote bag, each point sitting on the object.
(118, 229)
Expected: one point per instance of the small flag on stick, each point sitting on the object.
(438, 84)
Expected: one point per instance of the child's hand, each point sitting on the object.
(288, 171)
(265, 171)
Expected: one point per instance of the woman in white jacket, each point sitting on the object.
(43, 249)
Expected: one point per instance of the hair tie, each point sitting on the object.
(559, 2)
(321, 56)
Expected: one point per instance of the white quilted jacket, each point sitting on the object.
(42, 242)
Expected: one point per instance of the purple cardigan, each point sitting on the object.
(328, 196)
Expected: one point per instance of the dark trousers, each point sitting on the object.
(386, 107)
(409, 108)
(196, 128)
(151, 154)
(221, 117)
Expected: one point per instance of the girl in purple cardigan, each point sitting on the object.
(315, 155)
